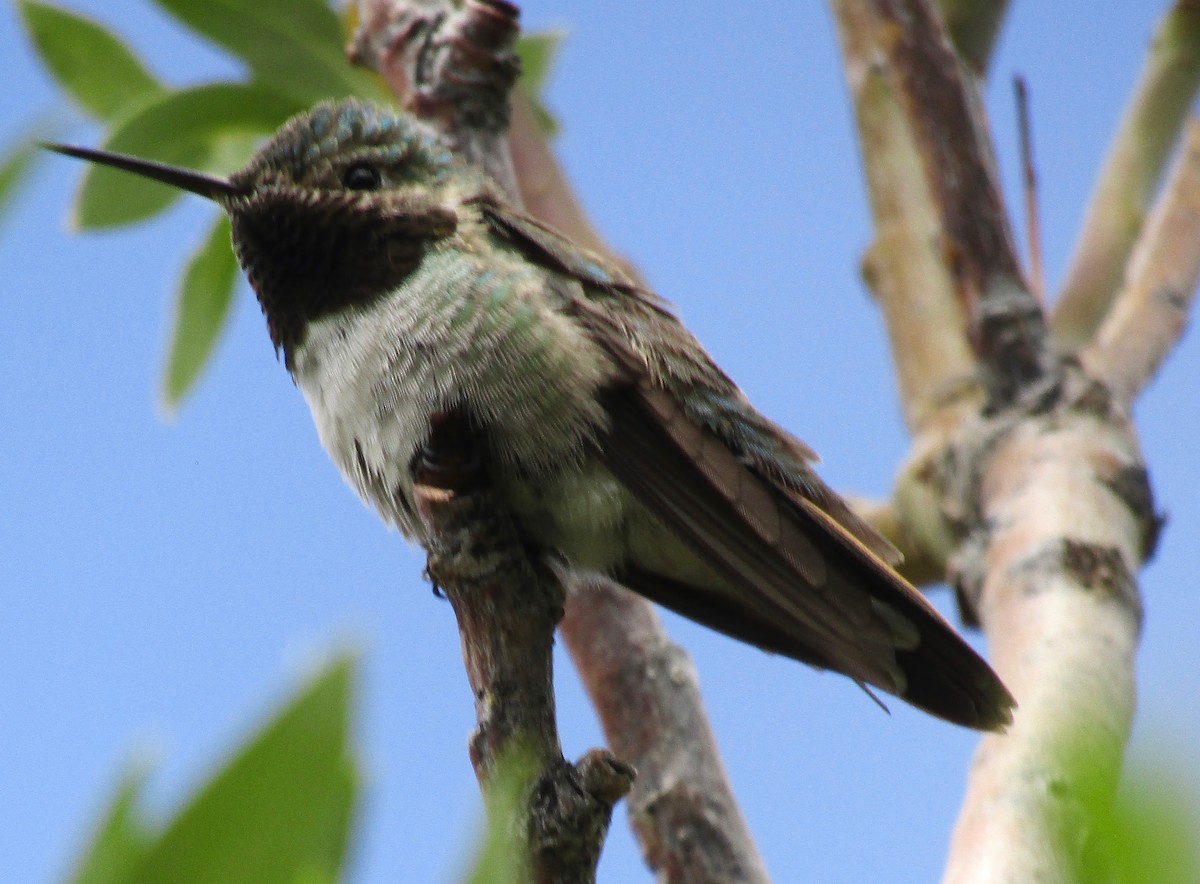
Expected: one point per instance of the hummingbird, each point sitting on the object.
(399, 284)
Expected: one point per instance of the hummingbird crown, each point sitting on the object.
(349, 145)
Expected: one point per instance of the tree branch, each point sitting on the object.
(943, 264)
(1156, 113)
(1037, 486)
(648, 696)
(1150, 312)
(507, 608)
(905, 266)
(452, 66)
(1063, 518)
(683, 810)
(457, 69)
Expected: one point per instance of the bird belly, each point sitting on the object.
(462, 334)
(593, 521)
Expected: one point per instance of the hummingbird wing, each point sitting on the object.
(801, 575)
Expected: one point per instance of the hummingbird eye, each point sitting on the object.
(362, 177)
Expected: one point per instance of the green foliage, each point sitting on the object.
(203, 306)
(502, 857)
(14, 169)
(121, 839)
(537, 53)
(294, 53)
(1150, 833)
(278, 811)
(293, 50)
(91, 65)
(293, 46)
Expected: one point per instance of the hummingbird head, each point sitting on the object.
(334, 210)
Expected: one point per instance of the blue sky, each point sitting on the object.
(163, 582)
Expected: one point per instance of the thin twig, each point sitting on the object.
(1033, 233)
(1149, 129)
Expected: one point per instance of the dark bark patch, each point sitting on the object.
(1132, 485)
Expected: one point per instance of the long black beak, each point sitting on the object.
(208, 186)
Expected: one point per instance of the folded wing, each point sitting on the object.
(798, 573)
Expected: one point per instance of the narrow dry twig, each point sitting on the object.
(1150, 313)
(679, 770)
(1033, 231)
(1149, 129)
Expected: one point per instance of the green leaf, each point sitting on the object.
(1150, 832)
(294, 46)
(194, 128)
(121, 839)
(502, 859)
(201, 311)
(280, 811)
(537, 53)
(14, 170)
(91, 64)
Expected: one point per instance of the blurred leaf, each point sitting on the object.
(14, 170)
(280, 810)
(295, 46)
(348, 20)
(537, 52)
(193, 128)
(201, 311)
(122, 838)
(1150, 834)
(91, 64)
(502, 858)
